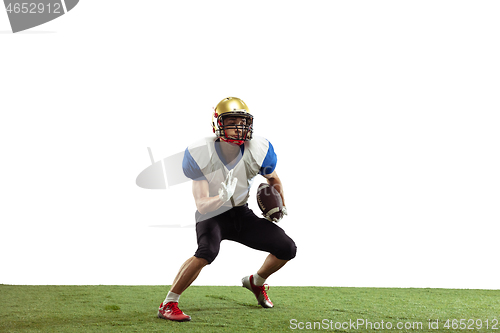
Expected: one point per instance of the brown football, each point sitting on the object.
(269, 201)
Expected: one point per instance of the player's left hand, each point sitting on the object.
(276, 220)
(283, 213)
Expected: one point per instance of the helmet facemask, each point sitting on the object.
(243, 133)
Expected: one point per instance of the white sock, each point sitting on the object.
(257, 280)
(172, 297)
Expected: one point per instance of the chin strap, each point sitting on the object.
(236, 142)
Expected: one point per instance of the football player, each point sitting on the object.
(222, 169)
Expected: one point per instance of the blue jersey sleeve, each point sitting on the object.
(270, 161)
(191, 168)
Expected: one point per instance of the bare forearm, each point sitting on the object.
(208, 204)
(276, 183)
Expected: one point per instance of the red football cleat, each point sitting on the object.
(171, 311)
(259, 291)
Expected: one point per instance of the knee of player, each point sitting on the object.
(288, 251)
(208, 254)
(293, 250)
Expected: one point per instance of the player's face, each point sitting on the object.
(235, 127)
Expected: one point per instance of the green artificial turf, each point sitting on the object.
(234, 309)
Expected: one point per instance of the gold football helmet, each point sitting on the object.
(232, 107)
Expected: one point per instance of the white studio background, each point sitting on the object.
(384, 116)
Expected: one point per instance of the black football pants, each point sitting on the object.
(241, 225)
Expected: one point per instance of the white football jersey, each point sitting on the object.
(204, 160)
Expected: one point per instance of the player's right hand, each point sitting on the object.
(227, 187)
